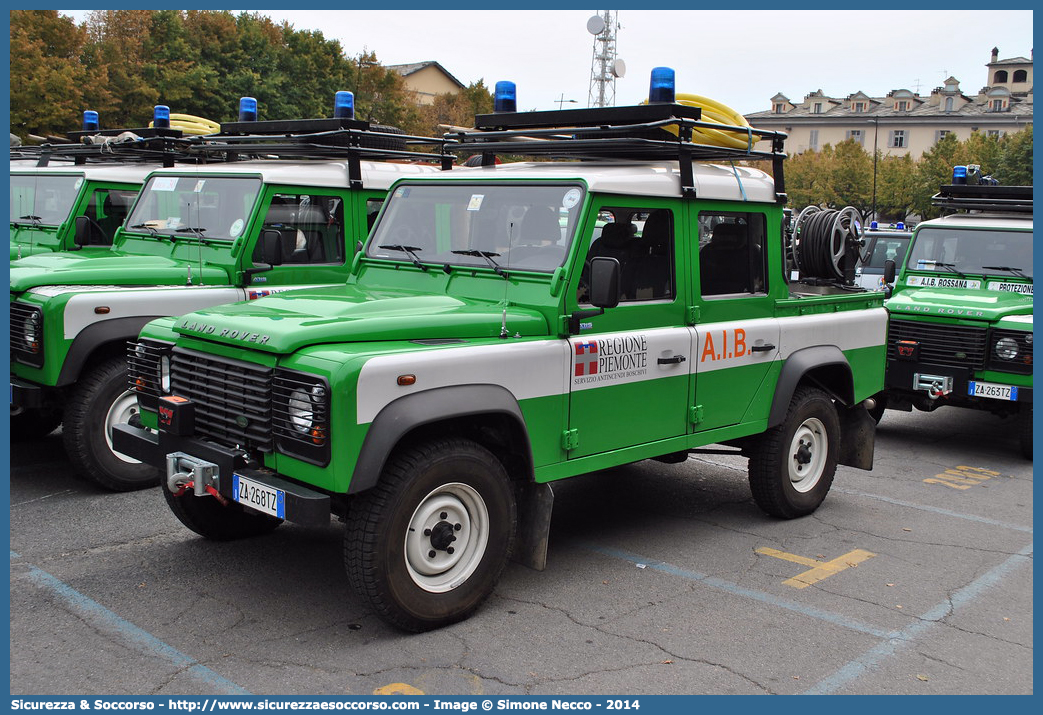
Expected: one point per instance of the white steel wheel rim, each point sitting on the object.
(122, 409)
(807, 455)
(434, 563)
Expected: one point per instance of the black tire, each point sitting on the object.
(94, 404)
(877, 413)
(34, 423)
(210, 519)
(444, 488)
(792, 466)
(1025, 432)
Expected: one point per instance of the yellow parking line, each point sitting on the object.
(819, 569)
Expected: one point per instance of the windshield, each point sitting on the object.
(43, 199)
(972, 251)
(501, 226)
(888, 248)
(193, 206)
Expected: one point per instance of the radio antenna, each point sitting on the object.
(507, 278)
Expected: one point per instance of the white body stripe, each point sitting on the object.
(526, 369)
(553, 367)
(133, 302)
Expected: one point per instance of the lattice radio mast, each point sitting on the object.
(605, 67)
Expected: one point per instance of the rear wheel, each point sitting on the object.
(427, 545)
(792, 466)
(209, 518)
(99, 401)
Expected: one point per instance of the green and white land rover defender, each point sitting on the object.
(47, 202)
(198, 235)
(961, 311)
(504, 329)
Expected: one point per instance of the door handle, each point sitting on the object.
(671, 360)
(761, 348)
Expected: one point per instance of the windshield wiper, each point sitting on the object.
(1010, 269)
(150, 229)
(487, 255)
(408, 250)
(951, 267)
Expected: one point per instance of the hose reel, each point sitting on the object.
(827, 244)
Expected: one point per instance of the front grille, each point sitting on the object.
(952, 345)
(1022, 363)
(24, 349)
(232, 398)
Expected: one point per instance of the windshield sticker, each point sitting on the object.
(199, 186)
(78, 184)
(571, 198)
(475, 204)
(1003, 287)
(164, 183)
(403, 192)
(942, 282)
(236, 229)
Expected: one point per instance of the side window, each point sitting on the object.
(642, 240)
(731, 253)
(372, 209)
(109, 208)
(311, 228)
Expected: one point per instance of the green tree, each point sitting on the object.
(1015, 163)
(47, 78)
(849, 181)
(896, 178)
(457, 109)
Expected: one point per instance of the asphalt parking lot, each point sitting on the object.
(915, 578)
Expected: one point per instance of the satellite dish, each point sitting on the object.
(619, 69)
(596, 25)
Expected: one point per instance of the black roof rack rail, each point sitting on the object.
(984, 197)
(336, 138)
(141, 144)
(606, 133)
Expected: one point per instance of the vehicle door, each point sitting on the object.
(737, 335)
(315, 228)
(629, 372)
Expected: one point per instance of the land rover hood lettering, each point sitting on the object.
(230, 334)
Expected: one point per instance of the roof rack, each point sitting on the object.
(984, 197)
(334, 138)
(605, 133)
(144, 144)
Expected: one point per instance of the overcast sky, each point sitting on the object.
(738, 57)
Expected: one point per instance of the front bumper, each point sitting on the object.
(302, 505)
(26, 395)
(912, 377)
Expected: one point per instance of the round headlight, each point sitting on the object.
(164, 373)
(1006, 348)
(302, 409)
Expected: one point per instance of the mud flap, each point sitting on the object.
(857, 437)
(535, 504)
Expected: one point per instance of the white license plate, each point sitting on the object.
(259, 496)
(992, 390)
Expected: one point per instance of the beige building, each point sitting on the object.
(904, 122)
(428, 80)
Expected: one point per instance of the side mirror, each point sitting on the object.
(604, 282)
(271, 247)
(890, 270)
(84, 232)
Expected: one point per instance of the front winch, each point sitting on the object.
(934, 385)
(185, 471)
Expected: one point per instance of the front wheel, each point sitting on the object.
(34, 423)
(427, 545)
(210, 519)
(792, 466)
(1025, 432)
(100, 400)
